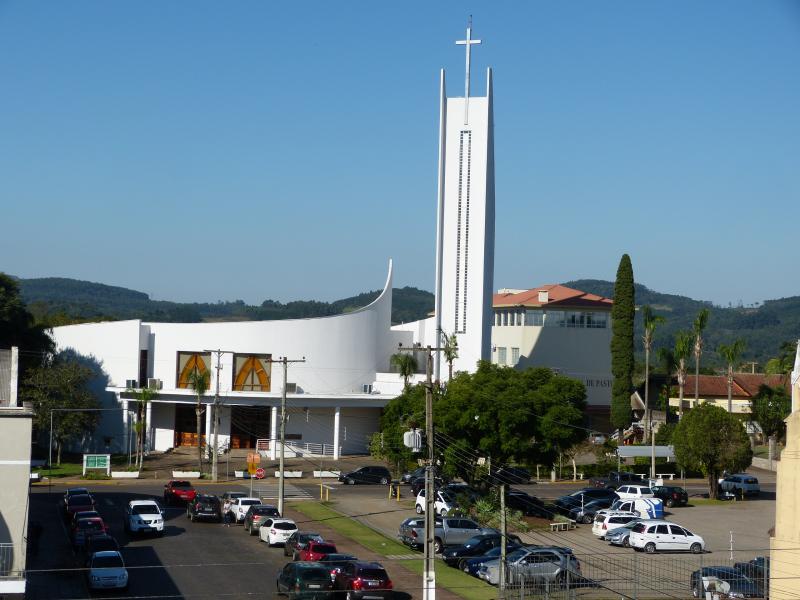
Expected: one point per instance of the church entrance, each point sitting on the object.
(186, 425)
(248, 424)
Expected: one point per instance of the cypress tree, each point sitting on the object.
(622, 315)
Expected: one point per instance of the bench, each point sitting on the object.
(664, 476)
(563, 526)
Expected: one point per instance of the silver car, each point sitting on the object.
(620, 535)
(550, 564)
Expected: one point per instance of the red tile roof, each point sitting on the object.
(745, 385)
(559, 295)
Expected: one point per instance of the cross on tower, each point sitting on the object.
(468, 43)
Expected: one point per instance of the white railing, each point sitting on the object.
(306, 448)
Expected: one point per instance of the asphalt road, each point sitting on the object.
(197, 560)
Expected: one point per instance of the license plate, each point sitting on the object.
(314, 586)
(372, 583)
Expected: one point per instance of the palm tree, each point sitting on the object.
(406, 364)
(683, 349)
(666, 356)
(700, 323)
(143, 397)
(651, 321)
(731, 353)
(450, 352)
(199, 381)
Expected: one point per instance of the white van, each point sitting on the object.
(603, 523)
(626, 492)
(646, 508)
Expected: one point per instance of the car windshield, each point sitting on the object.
(473, 541)
(181, 484)
(107, 562)
(519, 553)
(88, 525)
(99, 545)
(447, 497)
(324, 549)
(307, 537)
(284, 526)
(266, 510)
(373, 574)
(145, 509)
(314, 574)
(249, 502)
(80, 500)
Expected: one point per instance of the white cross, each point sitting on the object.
(468, 43)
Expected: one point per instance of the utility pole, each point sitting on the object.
(429, 572)
(215, 416)
(281, 484)
(502, 583)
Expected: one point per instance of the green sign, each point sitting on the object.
(96, 461)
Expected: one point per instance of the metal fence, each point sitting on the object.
(7, 561)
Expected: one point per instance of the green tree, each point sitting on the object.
(712, 441)
(769, 407)
(731, 353)
(143, 397)
(17, 328)
(699, 325)
(62, 383)
(450, 353)
(683, 348)
(784, 362)
(668, 364)
(403, 413)
(665, 434)
(622, 364)
(199, 381)
(406, 365)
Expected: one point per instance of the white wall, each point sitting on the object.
(162, 425)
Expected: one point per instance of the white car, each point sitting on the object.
(240, 506)
(740, 483)
(106, 570)
(606, 521)
(276, 531)
(633, 492)
(443, 503)
(647, 508)
(652, 536)
(144, 516)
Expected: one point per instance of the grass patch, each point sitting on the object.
(454, 580)
(65, 469)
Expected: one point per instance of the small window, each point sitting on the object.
(662, 530)
(501, 356)
(514, 356)
(677, 530)
(646, 491)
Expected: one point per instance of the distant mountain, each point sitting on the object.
(58, 300)
(763, 327)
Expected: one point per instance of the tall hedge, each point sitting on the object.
(622, 315)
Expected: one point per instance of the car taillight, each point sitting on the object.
(413, 533)
(357, 583)
(605, 526)
(388, 584)
(676, 495)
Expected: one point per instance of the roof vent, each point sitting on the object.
(544, 296)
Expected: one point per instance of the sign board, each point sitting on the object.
(97, 461)
(251, 468)
(253, 457)
(259, 473)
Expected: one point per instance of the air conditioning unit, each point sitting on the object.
(291, 388)
(131, 384)
(366, 388)
(153, 383)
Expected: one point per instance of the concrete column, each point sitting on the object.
(273, 433)
(336, 420)
(149, 427)
(124, 442)
(209, 424)
(784, 567)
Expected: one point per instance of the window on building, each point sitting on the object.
(497, 319)
(514, 356)
(554, 318)
(534, 318)
(188, 363)
(252, 372)
(501, 356)
(505, 318)
(596, 320)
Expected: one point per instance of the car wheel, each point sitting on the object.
(384, 481)
(561, 580)
(418, 508)
(350, 481)
(669, 503)
(587, 519)
(696, 548)
(650, 548)
(437, 546)
(462, 565)
(253, 531)
(626, 543)
(696, 592)
(443, 512)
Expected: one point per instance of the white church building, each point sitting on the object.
(335, 397)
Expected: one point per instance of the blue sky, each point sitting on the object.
(251, 150)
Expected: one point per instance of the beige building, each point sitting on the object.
(562, 328)
(714, 389)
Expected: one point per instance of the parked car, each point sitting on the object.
(647, 508)
(608, 521)
(84, 514)
(671, 495)
(231, 496)
(106, 570)
(256, 515)
(740, 483)
(443, 503)
(418, 484)
(471, 566)
(298, 540)
(144, 516)
(614, 479)
(585, 513)
(510, 475)
(756, 569)
(98, 543)
(566, 503)
(373, 474)
(240, 506)
(407, 477)
(739, 585)
(461, 490)
(363, 581)
(528, 505)
(78, 503)
(86, 528)
(178, 491)
(76, 491)
(314, 550)
(652, 536)
(305, 580)
(204, 507)
(448, 531)
(275, 530)
(477, 545)
(620, 536)
(544, 564)
(336, 562)
(634, 492)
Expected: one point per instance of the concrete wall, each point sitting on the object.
(15, 466)
(784, 566)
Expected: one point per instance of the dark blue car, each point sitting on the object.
(471, 565)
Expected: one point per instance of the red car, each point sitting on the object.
(315, 550)
(181, 491)
(364, 580)
(86, 528)
(78, 503)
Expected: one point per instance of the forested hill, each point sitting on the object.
(59, 301)
(763, 327)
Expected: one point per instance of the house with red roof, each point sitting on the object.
(714, 389)
(562, 328)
